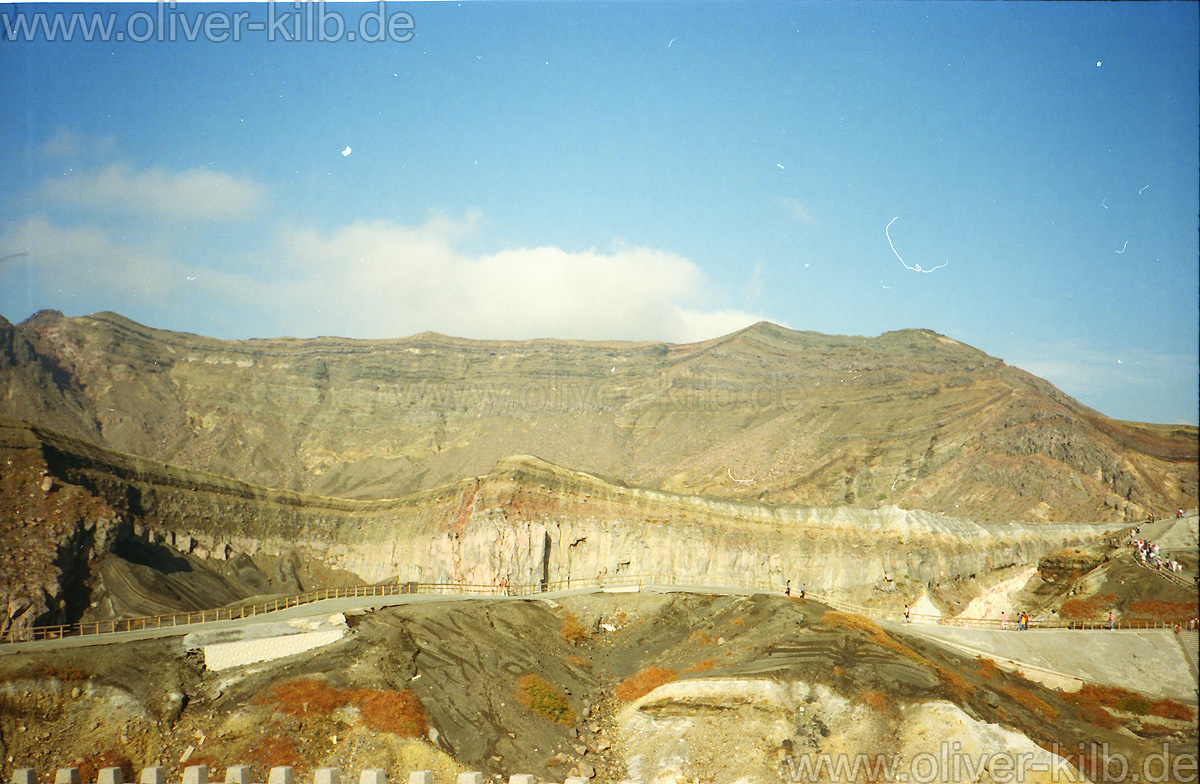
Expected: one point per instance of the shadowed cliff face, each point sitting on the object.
(909, 418)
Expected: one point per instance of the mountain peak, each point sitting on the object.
(910, 418)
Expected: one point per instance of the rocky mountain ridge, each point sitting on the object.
(911, 418)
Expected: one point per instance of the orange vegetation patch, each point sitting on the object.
(954, 683)
(1130, 702)
(572, 631)
(844, 620)
(644, 682)
(68, 674)
(701, 666)
(212, 763)
(1167, 612)
(273, 752)
(987, 669)
(1150, 729)
(701, 638)
(1092, 608)
(1094, 714)
(398, 712)
(874, 699)
(1031, 701)
(1170, 709)
(303, 697)
(90, 767)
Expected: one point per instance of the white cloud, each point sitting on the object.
(193, 193)
(382, 279)
(77, 262)
(754, 286)
(363, 279)
(84, 268)
(1073, 364)
(376, 279)
(694, 325)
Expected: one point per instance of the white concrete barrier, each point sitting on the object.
(226, 655)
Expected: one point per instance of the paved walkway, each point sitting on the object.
(1150, 661)
(1153, 662)
(327, 607)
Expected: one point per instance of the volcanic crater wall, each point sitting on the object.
(528, 523)
(767, 413)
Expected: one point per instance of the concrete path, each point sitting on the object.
(266, 623)
(1150, 661)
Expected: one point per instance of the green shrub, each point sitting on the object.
(543, 700)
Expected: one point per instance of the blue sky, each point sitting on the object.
(626, 171)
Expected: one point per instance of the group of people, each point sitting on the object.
(787, 591)
(1147, 553)
(1022, 621)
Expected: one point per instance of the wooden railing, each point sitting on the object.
(464, 590)
(1034, 625)
(1167, 574)
(229, 613)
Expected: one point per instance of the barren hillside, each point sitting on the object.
(909, 418)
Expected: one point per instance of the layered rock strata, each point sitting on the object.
(530, 523)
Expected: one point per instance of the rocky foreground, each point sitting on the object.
(607, 686)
